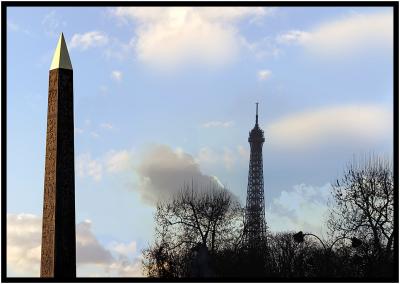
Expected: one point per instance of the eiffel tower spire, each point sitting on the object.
(256, 113)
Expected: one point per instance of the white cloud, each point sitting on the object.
(12, 26)
(89, 39)
(331, 125)
(216, 179)
(263, 48)
(263, 74)
(163, 172)
(52, 23)
(116, 75)
(127, 250)
(125, 268)
(23, 243)
(107, 126)
(112, 162)
(118, 161)
(356, 33)
(170, 37)
(114, 260)
(88, 129)
(212, 124)
(94, 134)
(86, 166)
(293, 37)
(302, 208)
(24, 248)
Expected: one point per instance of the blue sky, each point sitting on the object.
(164, 95)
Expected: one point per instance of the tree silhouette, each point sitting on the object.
(199, 233)
(192, 221)
(363, 207)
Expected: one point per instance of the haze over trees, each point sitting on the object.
(200, 233)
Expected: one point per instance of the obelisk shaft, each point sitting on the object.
(58, 258)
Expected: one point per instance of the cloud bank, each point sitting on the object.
(163, 171)
(303, 208)
(93, 259)
(23, 244)
(355, 33)
(174, 36)
(332, 125)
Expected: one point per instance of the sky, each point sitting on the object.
(166, 95)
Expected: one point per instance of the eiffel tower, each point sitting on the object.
(255, 225)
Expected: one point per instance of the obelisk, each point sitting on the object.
(58, 234)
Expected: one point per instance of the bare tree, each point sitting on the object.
(360, 245)
(363, 205)
(212, 217)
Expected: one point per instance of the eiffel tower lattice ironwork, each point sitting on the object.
(255, 225)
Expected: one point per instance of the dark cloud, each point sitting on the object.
(88, 248)
(164, 171)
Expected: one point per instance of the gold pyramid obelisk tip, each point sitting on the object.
(61, 56)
